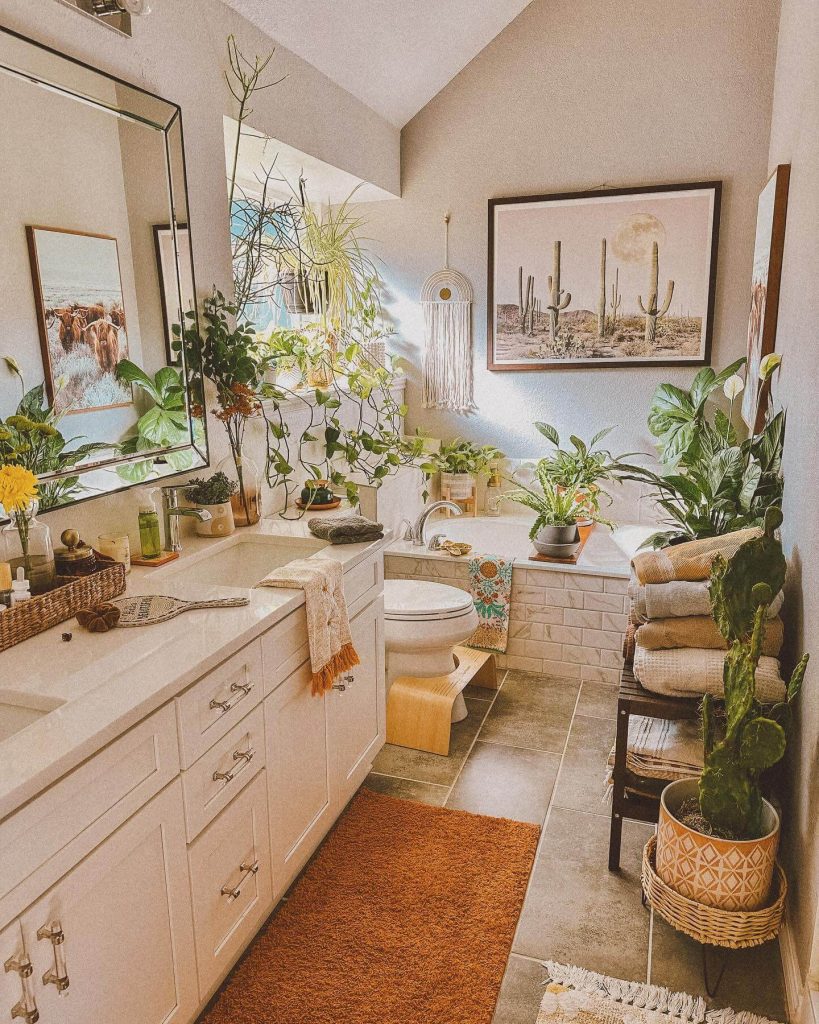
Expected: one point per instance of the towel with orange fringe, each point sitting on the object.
(328, 625)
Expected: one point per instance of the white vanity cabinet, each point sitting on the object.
(114, 936)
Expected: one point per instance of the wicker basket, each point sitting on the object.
(708, 925)
(28, 618)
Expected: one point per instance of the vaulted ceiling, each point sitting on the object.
(394, 55)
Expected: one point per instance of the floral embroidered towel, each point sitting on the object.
(490, 583)
(328, 627)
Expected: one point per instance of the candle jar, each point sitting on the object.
(26, 543)
(116, 546)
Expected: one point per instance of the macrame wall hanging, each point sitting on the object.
(446, 298)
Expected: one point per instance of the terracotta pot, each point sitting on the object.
(724, 873)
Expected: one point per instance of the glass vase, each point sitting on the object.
(26, 543)
(247, 501)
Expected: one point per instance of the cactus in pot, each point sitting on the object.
(741, 590)
(652, 311)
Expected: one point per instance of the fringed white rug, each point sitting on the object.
(584, 997)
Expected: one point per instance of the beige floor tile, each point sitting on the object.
(407, 789)
(532, 711)
(506, 782)
(581, 785)
(521, 992)
(598, 700)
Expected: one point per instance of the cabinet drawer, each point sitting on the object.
(230, 883)
(367, 578)
(215, 779)
(284, 648)
(213, 705)
(47, 836)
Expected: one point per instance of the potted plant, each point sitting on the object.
(214, 494)
(554, 531)
(717, 837)
(581, 468)
(459, 462)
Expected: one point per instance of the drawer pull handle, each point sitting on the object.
(243, 688)
(223, 706)
(58, 974)
(234, 892)
(341, 687)
(245, 756)
(26, 1008)
(349, 679)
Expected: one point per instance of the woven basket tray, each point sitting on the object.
(734, 929)
(28, 618)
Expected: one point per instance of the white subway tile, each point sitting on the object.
(580, 581)
(538, 649)
(545, 578)
(616, 586)
(602, 639)
(581, 655)
(561, 670)
(579, 617)
(614, 621)
(612, 659)
(604, 603)
(563, 634)
(593, 674)
(520, 664)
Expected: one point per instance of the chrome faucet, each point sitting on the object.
(416, 530)
(171, 511)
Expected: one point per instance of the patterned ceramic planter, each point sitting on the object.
(220, 523)
(731, 875)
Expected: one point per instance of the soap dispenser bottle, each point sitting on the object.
(149, 539)
(20, 588)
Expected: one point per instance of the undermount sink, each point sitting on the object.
(241, 561)
(18, 711)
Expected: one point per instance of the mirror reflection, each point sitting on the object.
(95, 250)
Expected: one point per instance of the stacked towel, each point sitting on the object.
(345, 529)
(677, 647)
(660, 749)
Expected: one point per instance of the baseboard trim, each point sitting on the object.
(802, 1002)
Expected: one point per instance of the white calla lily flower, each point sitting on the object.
(734, 386)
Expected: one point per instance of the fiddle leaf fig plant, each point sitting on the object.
(755, 738)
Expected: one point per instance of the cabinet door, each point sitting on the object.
(18, 980)
(298, 774)
(357, 713)
(116, 932)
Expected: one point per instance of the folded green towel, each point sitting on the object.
(345, 529)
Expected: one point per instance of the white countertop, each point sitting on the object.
(111, 681)
(606, 552)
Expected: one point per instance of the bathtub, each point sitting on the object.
(564, 620)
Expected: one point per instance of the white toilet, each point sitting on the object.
(423, 622)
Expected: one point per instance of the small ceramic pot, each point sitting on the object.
(725, 873)
(221, 522)
(317, 492)
(557, 541)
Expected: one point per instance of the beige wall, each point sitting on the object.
(571, 96)
(795, 140)
(179, 52)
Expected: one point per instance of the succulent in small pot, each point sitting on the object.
(726, 830)
(557, 510)
(214, 494)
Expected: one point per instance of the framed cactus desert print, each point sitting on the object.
(609, 277)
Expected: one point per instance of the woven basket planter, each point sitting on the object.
(28, 618)
(724, 873)
(709, 925)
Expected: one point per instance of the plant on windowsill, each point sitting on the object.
(557, 509)
(723, 818)
(711, 482)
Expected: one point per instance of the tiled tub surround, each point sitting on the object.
(565, 621)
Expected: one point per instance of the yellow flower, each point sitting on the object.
(18, 487)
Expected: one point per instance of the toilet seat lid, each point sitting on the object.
(418, 600)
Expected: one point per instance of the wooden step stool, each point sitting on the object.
(419, 711)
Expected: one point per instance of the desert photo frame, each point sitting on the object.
(608, 277)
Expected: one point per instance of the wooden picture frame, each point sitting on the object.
(769, 247)
(78, 318)
(170, 299)
(692, 210)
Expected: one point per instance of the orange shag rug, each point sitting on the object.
(406, 916)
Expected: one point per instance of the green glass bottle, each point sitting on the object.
(149, 539)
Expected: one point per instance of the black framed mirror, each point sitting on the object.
(95, 251)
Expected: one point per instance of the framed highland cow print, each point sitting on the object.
(81, 317)
(609, 277)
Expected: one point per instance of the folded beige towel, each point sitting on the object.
(659, 749)
(687, 671)
(689, 561)
(328, 627)
(701, 631)
(677, 599)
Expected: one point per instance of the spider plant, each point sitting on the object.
(582, 467)
(553, 505)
